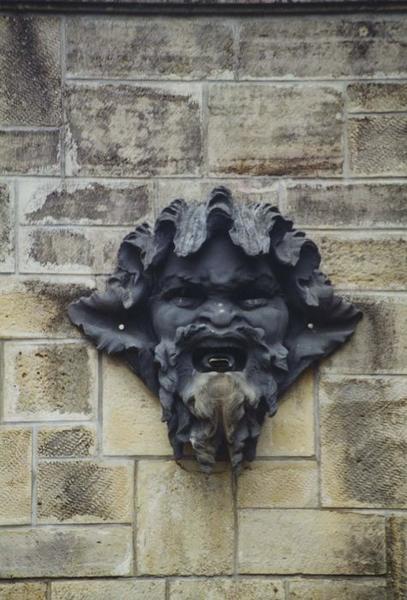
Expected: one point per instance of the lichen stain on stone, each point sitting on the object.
(5, 226)
(72, 441)
(279, 167)
(396, 538)
(51, 247)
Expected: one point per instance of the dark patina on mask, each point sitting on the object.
(218, 310)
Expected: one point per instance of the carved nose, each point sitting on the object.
(220, 314)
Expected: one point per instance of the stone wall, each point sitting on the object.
(104, 119)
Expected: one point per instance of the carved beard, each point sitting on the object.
(218, 412)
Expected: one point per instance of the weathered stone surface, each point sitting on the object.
(323, 48)
(52, 202)
(274, 130)
(147, 48)
(367, 205)
(125, 589)
(190, 514)
(131, 414)
(377, 97)
(364, 441)
(15, 476)
(80, 250)
(49, 381)
(29, 152)
(66, 441)
(23, 591)
(226, 589)
(133, 130)
(311, 542)
(7, 259)
(291, 431)
(37, 307)
(66, 552)
(379, 344)
(397, 556)
(30, 80)
(82, 491)
(364, 260)
(378, 145)
(337, 590)
(279, 484)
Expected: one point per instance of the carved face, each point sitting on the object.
(218, 311)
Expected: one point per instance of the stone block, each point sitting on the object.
(337, 590)
(377, 97)
(323, 48)
(226, 589)
(23, 591)
(190, 514)
(76, 250)
(133, 130)
(37, 307)
(278, 484)
(378, 145)
(397, 557)
(363, 441)
(330, 205)
(84, 491)
(105, 589)
(149, 48)
(364, 260)
(131, 414)
(15, 476)
(310, 542)
(291, 431)
(30, 70)
(274, 130)
(29, 152)
(66, 551)
(78, 202)
(45, 382)
(7, 246)
(378, 345)
(66, 441)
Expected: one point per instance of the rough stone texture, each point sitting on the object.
(379, 344)
(226, 589)
(291, 431)
(43, 552)
(377, 97)
(73, 491)
(37, 307)
(311, 542)
(274, 130)
(49, 381)
(364, 441)
(368, 205)
(30, 71)
(378, 145)
(51, 202)
(359, 260)
(131, 414)
(152, 130)
(29, 152)
(397, 556)
(150, 48)
(7, 248)
(81, 251)
(190, 514)
(337, 590)
(15, 476)
(281, 484)
(125, 589)
(23, 591)
(328, 48)
(65, 441)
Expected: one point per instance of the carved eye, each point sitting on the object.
(254, 299)
(184, 298)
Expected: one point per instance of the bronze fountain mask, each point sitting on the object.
(218, 310)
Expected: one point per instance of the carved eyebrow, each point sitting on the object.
(264, 280)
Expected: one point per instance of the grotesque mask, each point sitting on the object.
(218, 310)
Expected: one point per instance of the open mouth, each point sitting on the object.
(220, 359)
